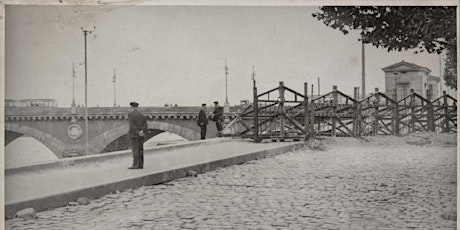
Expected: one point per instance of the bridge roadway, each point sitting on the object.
(373, 183)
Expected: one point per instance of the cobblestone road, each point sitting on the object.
(353, 184)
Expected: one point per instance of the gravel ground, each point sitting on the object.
(381, 182)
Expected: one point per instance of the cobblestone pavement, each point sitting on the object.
(353, 184)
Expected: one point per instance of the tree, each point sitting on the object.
(425, 28)
(450, 70)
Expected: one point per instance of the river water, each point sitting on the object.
(28, 151)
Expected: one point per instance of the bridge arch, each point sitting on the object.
(98, 143)
(56, 146)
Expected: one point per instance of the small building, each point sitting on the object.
(402, 77)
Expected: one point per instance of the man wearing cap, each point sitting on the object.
(202, 121)
(137, 127)
(218, 116)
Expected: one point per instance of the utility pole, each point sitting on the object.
(253, 77)
(114, 80)
(442, 86)
(73, 85)
(396, 86)
(85, 33)
(363, 80)
(256, 108)
(318, 90)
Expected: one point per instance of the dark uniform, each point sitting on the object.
(218, 116)
(202, 121)
(137, 128)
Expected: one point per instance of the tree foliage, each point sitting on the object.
(397, 28)
(450, 69)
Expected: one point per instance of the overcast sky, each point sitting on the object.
(176, 54)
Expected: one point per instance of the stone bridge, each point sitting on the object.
(63, 130)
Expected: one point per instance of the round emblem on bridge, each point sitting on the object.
(74, 131)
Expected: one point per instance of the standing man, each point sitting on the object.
(202, 121)
(218, 117)
(137, 127)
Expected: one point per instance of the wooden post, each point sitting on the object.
(312, 91)
(281, 109)
(334, 106)
(375, 125)
(412, 110)
(306, 116)
(311, 111)
(256, 116)
(356, 132)
(430, 116)
(396, 119)
(446, 112)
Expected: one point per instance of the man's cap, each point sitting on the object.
(203, 104)
(216, 102)
(134, 104)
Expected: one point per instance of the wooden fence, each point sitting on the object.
(282, 113)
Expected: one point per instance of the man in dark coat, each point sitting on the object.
(202, 121)
(218, 116)
(136, 132)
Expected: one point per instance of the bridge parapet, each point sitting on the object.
(109, 113)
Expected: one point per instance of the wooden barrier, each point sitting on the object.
(291, 115)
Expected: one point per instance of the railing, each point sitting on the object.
(13, 114)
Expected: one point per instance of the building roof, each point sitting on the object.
(405, 67)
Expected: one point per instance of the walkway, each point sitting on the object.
(96, 176)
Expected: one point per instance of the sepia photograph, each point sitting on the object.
(145, 114)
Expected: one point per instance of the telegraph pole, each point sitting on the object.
(114, 80)
(396, 86)
(363, 80)
(256, 109)
(253, 77)
(73, 85)
(318, 90)
(85, 33)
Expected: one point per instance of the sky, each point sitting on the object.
(176, 54)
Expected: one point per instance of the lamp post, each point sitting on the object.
(226, 73)
(73, 107)
(396, 86)
(226, 104)
(85, 33)
(114, 80)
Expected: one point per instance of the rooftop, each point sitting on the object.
(405, 67)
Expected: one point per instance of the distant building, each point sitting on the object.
(245, 102)
(401, 77)
(31, 103)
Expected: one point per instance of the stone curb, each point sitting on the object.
(59, 200)
(107, 156)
